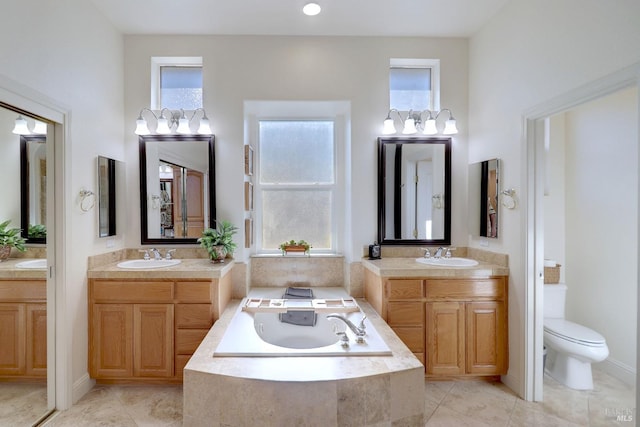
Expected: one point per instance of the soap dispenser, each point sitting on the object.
(374, 251)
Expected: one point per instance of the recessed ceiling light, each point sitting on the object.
(311, 9)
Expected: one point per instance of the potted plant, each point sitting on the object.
(218, 241)
(295, 246)
(10, 238)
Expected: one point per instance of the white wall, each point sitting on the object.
(602, 210)
(554, 195)
(68, 52)
(352, 69)
(531, 52)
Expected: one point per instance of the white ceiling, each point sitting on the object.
(429, 18)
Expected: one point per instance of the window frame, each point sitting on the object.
(433, 64)
(337, 188)
(157, 62)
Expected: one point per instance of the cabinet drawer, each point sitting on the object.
(412, 337)
(405, 313)
(194, 291)
(117, 291)
(465, 289)
(23, 290)
(404, 289)
(194, 316)
(187, 340)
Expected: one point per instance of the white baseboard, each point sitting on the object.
(617, 369)
(81, 387)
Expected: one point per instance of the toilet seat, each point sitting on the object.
(573, 332)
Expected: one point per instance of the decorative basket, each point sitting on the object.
(552, 274)
(5, 251)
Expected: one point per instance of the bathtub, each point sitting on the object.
(264, 335)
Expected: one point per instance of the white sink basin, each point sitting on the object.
(448, 262)
(33, 264)
(148, 263)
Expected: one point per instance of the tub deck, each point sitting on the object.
(322, 390)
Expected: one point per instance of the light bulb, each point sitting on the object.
(183, 126)
(163, 126)
(388, 128)
(20, 127)
(141, 127)
(409, 126)
(450, 127)
(205, 127)
(430, 127)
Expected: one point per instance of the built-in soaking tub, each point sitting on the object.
(325, 385)
(264, 334)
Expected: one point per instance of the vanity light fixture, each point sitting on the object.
(311, 9)
(167, 119)
(414, 123)
(21, 127)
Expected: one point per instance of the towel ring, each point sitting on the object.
(509, 201)
(87, 200)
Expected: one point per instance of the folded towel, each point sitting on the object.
(299, 318)
(291, 293)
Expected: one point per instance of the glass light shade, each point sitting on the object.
(311, 9)
(450, 127)
(40, 128)
(204, 128)
(183, 126)
(430, 127)
(409, 127)
(20, 127)
(141, 127)
(388, 127)
(163, 126)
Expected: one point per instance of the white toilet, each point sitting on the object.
(571, 348)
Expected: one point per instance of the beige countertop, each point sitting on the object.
(195, 268)
(8, 270)
(409, 267)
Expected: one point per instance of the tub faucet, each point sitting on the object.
(156, 254)
(358, 330)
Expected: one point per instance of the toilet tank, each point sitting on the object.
(554, 299)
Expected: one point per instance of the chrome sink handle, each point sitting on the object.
(168, 255)
(146, 256)
(427, 252)
(448, 253)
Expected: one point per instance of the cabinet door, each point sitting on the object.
(12, 331)
(486, 338)
(36, 357)
(153, 340)
(111, 338)
(445, 338)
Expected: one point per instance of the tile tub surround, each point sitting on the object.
(310, 391)
(303, 271)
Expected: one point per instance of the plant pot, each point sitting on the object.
(219, 254)
(5, 251)
(294, 249)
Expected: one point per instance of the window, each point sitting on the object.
(297, 183)
(414, 84)
(176, 82)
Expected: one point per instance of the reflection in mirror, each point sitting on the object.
(177, 187)
(33, 187)
(23, 338)
(414, 191)
(484, 179)
(111, 180)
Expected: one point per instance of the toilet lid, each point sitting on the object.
(573, 332)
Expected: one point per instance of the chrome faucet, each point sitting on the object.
(156, 254)
(438, 253)
(169, 254)
(358, 330)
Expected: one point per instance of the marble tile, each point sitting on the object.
(491, 403)
(282, 271)
(435, 391)
(531, 414)
(22, 404)
(445, 417)
(356, 280)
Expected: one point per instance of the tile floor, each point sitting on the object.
(22, 404)
(455, 404)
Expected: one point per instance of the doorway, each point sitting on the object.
(536, 135)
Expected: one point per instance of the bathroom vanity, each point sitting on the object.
(453, 319)
(23, 323)
(144, 325)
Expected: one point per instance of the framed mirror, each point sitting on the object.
(33, 188)
(484, 179)
(177, 187)
(111, 180)
(414, 191)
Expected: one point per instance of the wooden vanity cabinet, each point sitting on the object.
(23, 328)
(146, 331)
(456, 327)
